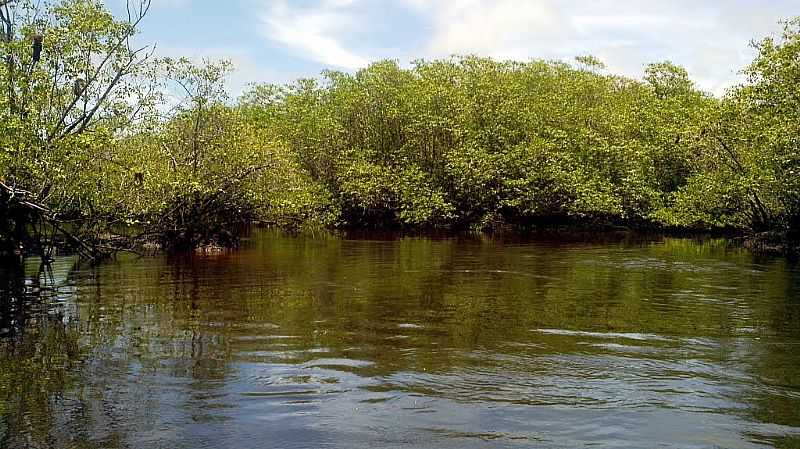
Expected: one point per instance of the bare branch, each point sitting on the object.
(123, 40)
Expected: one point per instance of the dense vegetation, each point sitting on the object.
(97, 137)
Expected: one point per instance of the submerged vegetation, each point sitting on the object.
(99, 138)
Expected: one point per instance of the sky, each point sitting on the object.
(278, 41)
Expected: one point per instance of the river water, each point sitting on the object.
(333, 342)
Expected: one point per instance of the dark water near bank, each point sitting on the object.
(451, 343)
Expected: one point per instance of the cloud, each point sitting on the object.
(709, 37)
(500, 28)
(314, 33)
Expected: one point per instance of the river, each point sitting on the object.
(407, 342)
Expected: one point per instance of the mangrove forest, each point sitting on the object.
(106, 146)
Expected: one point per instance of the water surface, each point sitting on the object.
(329, 342)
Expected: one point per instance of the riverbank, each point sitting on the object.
(777, 243)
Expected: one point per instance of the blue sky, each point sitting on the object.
(281, 40)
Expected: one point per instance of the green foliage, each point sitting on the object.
(772, 114)
(197, 175)
(70, 84)
(470, 140)
(745, 174)
(668, 80)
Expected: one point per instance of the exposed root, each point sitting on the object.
(31, 226)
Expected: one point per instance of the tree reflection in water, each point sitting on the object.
(457, 342)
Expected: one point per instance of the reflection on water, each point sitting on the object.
(329, 342)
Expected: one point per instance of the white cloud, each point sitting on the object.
(314, 33)
(500, 28)
(709, 37)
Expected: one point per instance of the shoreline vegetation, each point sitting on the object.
(106, 147)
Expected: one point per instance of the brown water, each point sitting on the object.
(448, 343)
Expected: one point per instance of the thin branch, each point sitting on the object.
(83, 122)
(124, 39)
